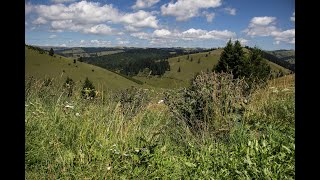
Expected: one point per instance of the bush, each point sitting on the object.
(213, 102)
(69, 85)
(132, 100)
(88, 90)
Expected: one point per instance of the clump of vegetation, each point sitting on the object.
(69, 85)
(213, 102)
(133, 100)
(88, 90)
(51, 52)
(251, 67)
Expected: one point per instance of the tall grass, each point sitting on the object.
(74, 138)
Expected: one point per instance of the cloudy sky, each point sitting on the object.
(268, 24)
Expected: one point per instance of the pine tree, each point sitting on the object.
(51, 52)
(88, 90)
(225, 58)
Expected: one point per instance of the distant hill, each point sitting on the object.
(188, 68)
(44, 66)
(284, 55)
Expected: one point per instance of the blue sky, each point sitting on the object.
(268, 24)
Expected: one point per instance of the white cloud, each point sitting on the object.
(265, 26)
(140, 19)
(186, 9)
(209, 16)
(164, 35)
(63, 45)
(285, 36)
(262, 21)
(82, 41)
(241, 40)
(98, 43)
(231, 11)
(261, 26)
(28, 8)
(123, 42)
(90, 15)
(62, 1)
(141, 35)
(39, 21)
(140, 4)
(161, 33)
(52, 36)
(293, 18)
(100, 29)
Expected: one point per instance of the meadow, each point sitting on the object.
(76, 138)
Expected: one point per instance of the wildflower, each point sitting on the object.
(114, 145)
(69, 106)
(77, 114)
(161, 101)
(109, 168)
(26, 105)
(136, 150)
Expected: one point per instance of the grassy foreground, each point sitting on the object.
(73, 138)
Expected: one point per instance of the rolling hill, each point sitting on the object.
(188, 68)
(45, 66)
(284, 55)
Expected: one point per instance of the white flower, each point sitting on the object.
(69, 106)
(161, 101)
(109, 168)
(77, 114)
(137, 150)
(114, 145)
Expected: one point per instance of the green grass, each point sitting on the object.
(175, 79)
(96, 140)
(45, 66)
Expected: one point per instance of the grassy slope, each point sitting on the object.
(43, 65)
(175, 79)
(100, 142)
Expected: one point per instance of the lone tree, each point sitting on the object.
(74, 61)
(88, 90)
(51, 52)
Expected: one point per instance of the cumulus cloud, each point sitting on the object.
(285, 36)
(265, 26)
(261, 26)
(100, 29)
(140, 4)
(241, 40)
(39, 21)
(231, 11)
(63, 45)
(62, 1)
(98, 43)
(165, 35)
(90, 16)
(293, 18)
(186, 9)
(52, 36)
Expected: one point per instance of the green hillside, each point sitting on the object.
(44, 66)
(285, 55)
(188, 68)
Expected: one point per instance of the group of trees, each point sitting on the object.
(234, 60)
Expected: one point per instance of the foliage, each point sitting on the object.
(212, 103)
(88, 90)
(69, 85)
(51, 52)
(132, 100)
(252, 68)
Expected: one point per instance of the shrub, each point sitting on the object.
(213, 102)
(88, 90)
(132, 100)
(69, 85)
(92, 70)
